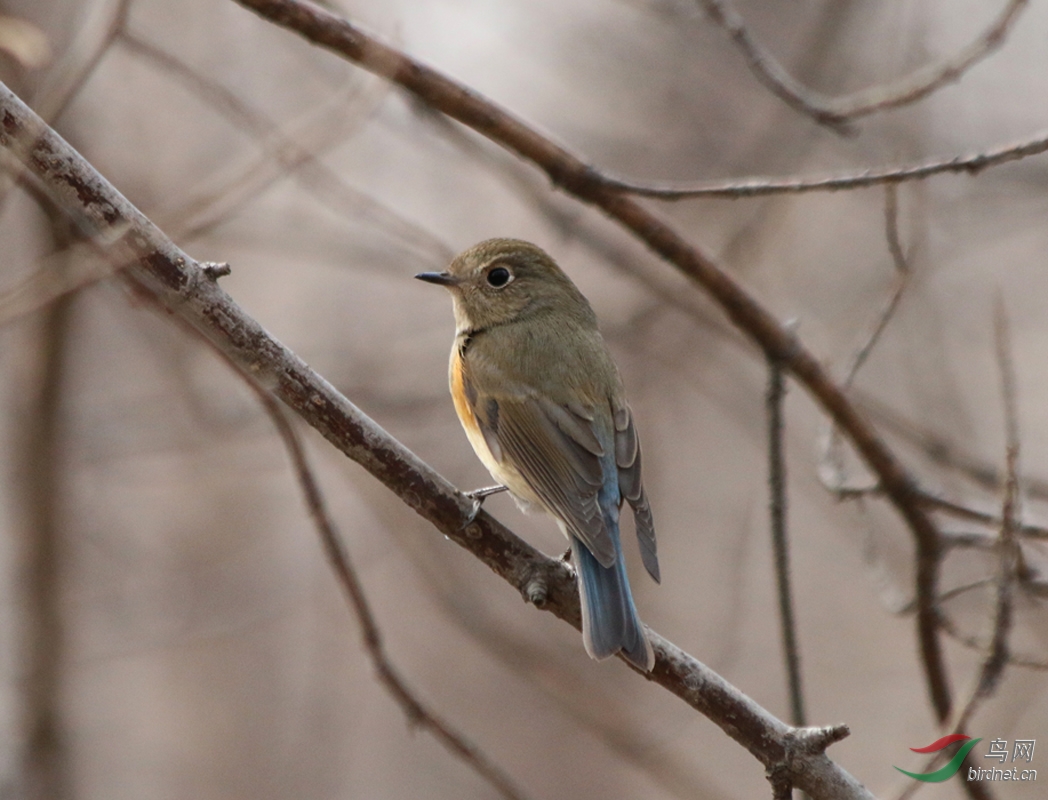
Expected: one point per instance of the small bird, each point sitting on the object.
(543, 406)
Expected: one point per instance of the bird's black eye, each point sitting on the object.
(499, 277)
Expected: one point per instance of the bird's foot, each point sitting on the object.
(565, 559)
(487, 491)
(478, 496)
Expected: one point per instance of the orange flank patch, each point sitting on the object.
(462, 404)
(464, 409)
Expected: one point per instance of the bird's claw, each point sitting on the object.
(478, 496)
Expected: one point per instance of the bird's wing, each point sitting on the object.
(631, 486)
(557, 451)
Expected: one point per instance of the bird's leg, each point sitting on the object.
(478, 496)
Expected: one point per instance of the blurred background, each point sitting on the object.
(169, 627)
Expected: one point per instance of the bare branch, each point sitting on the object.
(759, 186)
(837, 113)
(957, 591)
(178, 283)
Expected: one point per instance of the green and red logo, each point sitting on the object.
(951, 768)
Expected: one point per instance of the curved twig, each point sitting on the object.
(838, 113)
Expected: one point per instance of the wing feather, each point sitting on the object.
(555, 451)
(627, 459)
(564, 472)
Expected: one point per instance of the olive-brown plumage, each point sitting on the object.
(543, 406)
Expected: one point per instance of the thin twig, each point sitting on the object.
(958, 591)
(838, 112)
(902, 279)
(178, 283)
(762, 186)
(891, 229)
(338, 556)
(974, 540)
(1008, 547)
(960, 511)
(831, 469)
(579, 179)
(779, 538)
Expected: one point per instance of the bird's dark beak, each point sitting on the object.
(439, 278)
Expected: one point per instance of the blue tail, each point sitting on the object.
(609, 618)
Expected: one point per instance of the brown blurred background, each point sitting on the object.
(170, 628)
